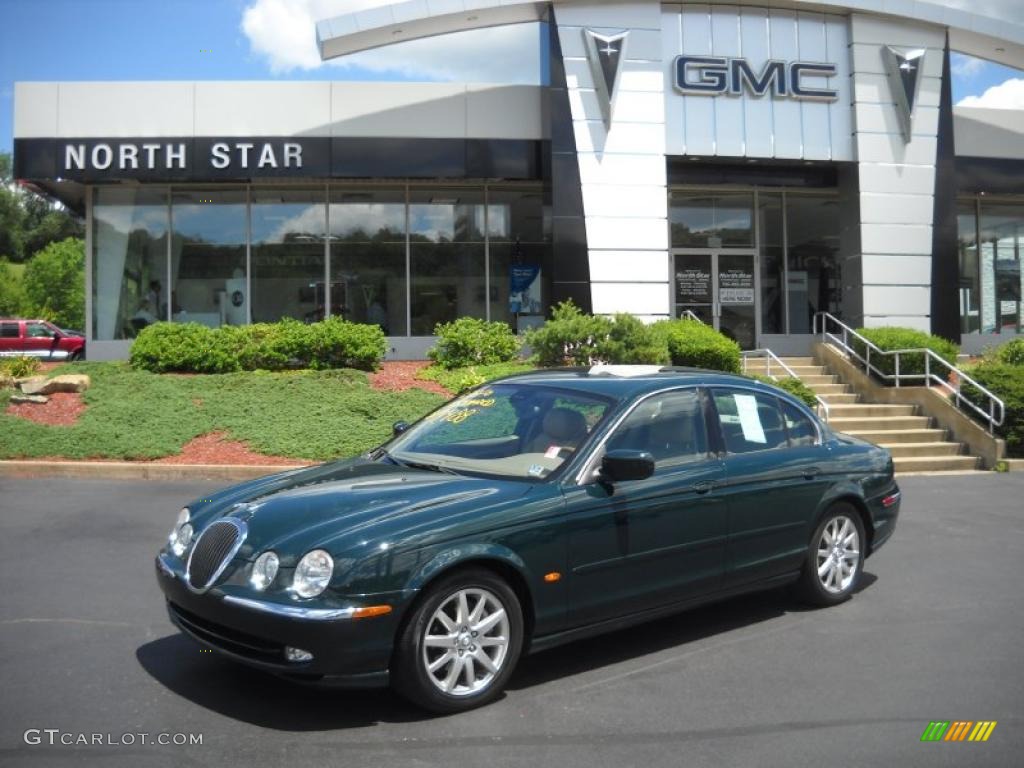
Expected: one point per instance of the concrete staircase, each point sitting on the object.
(915, 444)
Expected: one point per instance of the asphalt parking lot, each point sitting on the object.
(936, 633)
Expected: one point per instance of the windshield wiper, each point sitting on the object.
(429, 467)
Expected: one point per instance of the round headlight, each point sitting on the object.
(312, 573)
(181, 535)
(263, 571)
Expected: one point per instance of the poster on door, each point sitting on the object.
(736, 285)
(693, 283)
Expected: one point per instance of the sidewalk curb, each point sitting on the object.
(136, 470)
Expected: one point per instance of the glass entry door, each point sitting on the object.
(720, 288)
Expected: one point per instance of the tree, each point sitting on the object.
(30, 222)
(12, 291)
(55, 283)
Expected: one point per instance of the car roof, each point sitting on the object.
(629, 381)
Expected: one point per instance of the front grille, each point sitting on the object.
(212, 552)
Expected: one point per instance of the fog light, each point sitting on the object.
(297, 654)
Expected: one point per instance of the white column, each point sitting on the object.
(622, 168)
(896, 178)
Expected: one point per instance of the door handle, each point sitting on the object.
(811, 472)
(703, 487)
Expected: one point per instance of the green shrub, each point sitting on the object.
(799, 390)
(458, 380)
(183, 347)
(1011, 353)
(1007, 382)
(631, 342)
(19, 367)
(469, 341)
(891, 338)
(570, 337)
(692, 343)
(194, 348)
(54, 283)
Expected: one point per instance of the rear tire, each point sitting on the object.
(461, 643)
(835, 557)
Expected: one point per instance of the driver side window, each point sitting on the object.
(669, 426)
(38, 331)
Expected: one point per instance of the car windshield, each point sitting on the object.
(508, 430)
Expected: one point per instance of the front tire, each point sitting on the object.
(461, 644)
(835, 557)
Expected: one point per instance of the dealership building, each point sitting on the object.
(752, 164)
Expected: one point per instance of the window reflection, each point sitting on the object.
(515, 225)
(368, 280)
(769, 212)
(208, 257)
(814, 282)
(446, 257)
(711, 221)
(287, 257)
(991, 271)
(129, 261)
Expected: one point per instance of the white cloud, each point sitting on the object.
(284, 33)
(966, 66)
(1007, 95)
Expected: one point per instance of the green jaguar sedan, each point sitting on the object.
(533, 511)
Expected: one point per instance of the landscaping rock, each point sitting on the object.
(67, 382)
(7, 382)
(33, 385)
(71, 382)
(30, 399)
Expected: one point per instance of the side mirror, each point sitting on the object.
(399, 427)
(622, 464)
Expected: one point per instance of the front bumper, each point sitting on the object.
(348, 653)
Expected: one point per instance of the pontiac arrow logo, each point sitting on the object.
(606, 54)
(904, 70)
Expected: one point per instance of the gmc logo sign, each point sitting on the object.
(715, 75)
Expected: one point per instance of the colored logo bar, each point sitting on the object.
(958, 730)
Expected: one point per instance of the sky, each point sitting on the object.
(275, 39)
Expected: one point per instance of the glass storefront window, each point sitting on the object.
(1001, 240)
(446, 256)
(287, 257)
(368, 270)
(814, 282)
(700, 220)
(515, 226)
(129, 261)
(967, 227)
(208, 280)
(769, 222)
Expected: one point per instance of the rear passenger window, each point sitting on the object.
(801, 429)
(8, 331)
(750, 422)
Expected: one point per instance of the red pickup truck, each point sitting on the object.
(39, 338)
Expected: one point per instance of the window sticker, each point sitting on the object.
(552, 452)
(750, 421)
(535, 470)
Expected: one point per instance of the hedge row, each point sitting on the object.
(571, 337)
(890, 338)
(1002, 372)
(194, 348)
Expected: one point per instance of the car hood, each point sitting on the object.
(356, 503)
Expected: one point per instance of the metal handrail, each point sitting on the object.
(770, 356)
(691, 315)
(843, 342)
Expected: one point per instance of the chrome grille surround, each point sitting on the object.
(216, 546)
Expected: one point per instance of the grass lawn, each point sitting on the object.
(459, 380)
(138, 415)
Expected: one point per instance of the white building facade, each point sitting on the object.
(753, 164)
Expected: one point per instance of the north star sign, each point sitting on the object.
(152, 155)
(717, 75)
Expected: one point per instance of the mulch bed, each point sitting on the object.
(397, 376)
(215, 448)
(62, 410)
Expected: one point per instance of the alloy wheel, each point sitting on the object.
(466, 642)
(838, 554)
